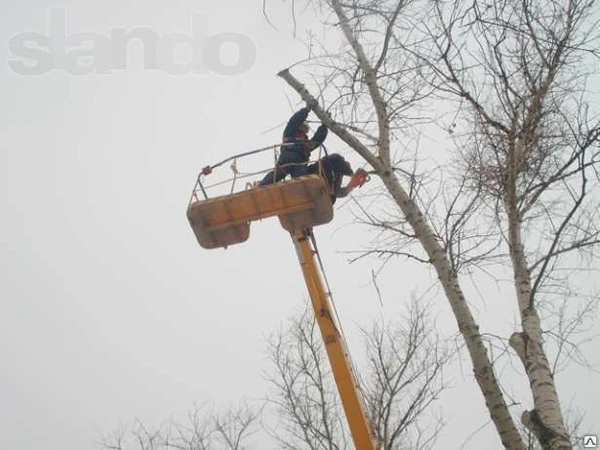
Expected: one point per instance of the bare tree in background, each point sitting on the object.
(533, 158)
(304, 392)
(523, 190)
(401, 380)
(204, 430)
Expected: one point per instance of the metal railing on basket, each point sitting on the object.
(200, 190)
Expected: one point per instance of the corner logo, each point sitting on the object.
(82, 53)
(590, 441)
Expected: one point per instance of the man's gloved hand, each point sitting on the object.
(360, 177)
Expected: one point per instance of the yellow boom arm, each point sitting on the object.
(360, 426)
(300, 203)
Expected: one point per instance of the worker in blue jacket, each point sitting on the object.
(296, 148)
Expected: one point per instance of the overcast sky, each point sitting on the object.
(109, 309)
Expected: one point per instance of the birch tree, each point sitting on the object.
(524, 191)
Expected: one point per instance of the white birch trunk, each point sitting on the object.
(482, 366)
(546, 420)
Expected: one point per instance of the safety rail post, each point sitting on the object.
(345, 379)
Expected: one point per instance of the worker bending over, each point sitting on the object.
(333, 168)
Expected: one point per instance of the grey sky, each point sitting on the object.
(109, 309)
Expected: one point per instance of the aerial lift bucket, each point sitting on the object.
(300, 203)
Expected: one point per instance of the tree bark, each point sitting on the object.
(546, 419)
